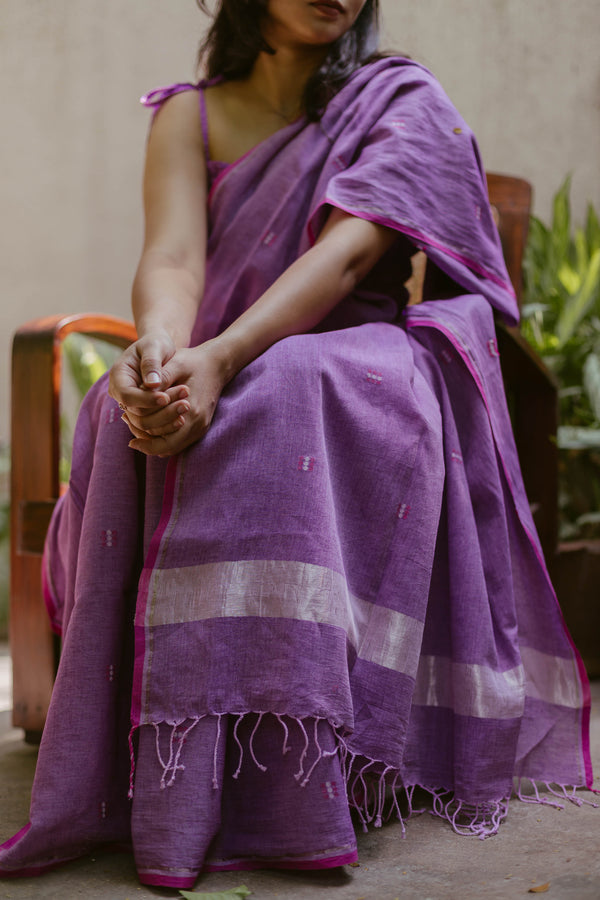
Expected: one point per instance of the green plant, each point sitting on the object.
(561, 319)
(86, 360)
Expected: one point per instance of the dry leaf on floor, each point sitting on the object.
(540, 889)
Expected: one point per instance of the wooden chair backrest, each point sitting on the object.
(511, 199)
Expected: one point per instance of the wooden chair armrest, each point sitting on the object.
(35, 443)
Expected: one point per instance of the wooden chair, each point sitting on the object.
(35, 484)
(35, 487)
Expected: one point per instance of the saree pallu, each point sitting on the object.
(338, 593)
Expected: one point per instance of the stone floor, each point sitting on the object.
(536, 846)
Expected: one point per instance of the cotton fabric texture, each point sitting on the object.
(338, 593)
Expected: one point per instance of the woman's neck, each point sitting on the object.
(280, 79)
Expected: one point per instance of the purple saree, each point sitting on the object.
(338, 593)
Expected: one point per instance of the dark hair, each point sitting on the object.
(234, 41)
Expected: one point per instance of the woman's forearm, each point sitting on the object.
(170, 278)
(165, 298)
(307, 291)
(300, 298)
(294, 304)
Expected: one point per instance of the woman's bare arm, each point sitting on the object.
(299, 299)
(169, 282)
(347, 249)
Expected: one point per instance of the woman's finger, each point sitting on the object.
(135, 399)
(150, 402)
(177, 392)
(156, 446)
(142, 402)
(137, 380)
(136, 432)
(166, 420)
(171, 444)
(166, 406)
(151, 419)
(154, 351)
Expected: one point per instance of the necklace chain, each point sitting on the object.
(278, 112)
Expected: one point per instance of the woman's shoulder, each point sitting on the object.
(180, 110)
(176, 120)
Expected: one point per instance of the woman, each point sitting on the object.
(322, 535)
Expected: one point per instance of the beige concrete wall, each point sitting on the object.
(524, 73)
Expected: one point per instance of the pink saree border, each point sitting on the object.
(415, 235)
(29, 871)
(16, 837)
(156, 879)
(230, 167)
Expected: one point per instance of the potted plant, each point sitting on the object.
(561, 319)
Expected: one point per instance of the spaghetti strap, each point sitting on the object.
(203, 120)
(156, 98)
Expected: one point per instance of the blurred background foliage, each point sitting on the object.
(85, 359)
(561, 319)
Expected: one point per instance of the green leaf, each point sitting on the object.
(571, 437)
(532, 309)
(591, 382)
(87, 359)
(592, 230)
(592, 518)
(232, 894)
(569, 278)
(567, 531)
(85, 363)
(582, 254)
(580, 303)
(538, 239)
(573, 391)
(561, 221)
(4, 521)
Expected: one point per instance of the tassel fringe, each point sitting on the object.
(374, 790)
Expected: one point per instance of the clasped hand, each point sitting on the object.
(169, 396)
